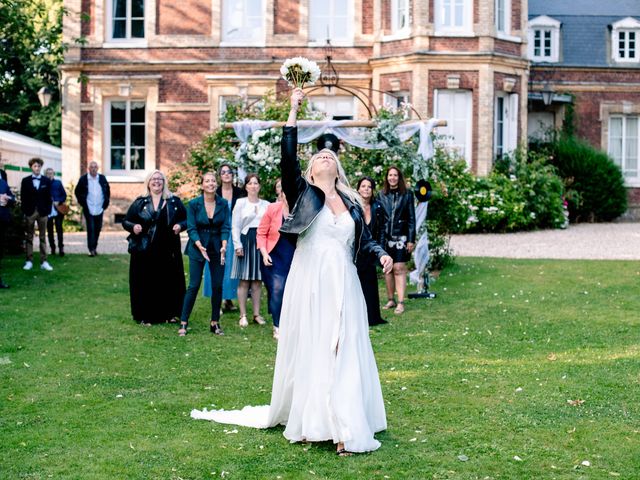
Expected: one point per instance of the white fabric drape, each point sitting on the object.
(309, 130)
(421, 252)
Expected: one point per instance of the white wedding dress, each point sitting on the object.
(325, 384)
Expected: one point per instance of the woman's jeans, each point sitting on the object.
(196, 267)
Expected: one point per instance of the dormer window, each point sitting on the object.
(625, 35)
(544, 39)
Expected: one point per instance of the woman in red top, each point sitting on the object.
(277, 254)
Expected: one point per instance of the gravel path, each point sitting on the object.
(612, 241)
(595, 241)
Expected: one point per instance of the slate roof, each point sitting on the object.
(585, 32)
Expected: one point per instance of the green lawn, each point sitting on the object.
(476, 382)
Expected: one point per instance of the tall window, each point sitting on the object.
(127, 19)
(334, 107)
(399, 16)
(454, 17)
(455, 106)
(506, 124)
(395, 99)
(624, 135)
(331, 19)
(625, 35)
(126, 135)
(544, 39)
(243, 21)
(227, 102)
(503, 16)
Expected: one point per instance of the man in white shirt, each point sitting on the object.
(93, 194)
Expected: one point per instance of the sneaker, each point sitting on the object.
(45, 266)
(28, 265)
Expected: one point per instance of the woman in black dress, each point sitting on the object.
(375, 219)
(208, 226)
(156, 272)
(400, 234)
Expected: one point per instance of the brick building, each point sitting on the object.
(157, 73)
(589, 49)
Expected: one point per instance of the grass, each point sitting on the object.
(471, 380)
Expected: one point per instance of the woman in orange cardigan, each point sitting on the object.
(277, 252)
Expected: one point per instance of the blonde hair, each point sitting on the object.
(342, 182)
(165, 188)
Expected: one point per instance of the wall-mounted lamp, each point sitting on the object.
(547, 94)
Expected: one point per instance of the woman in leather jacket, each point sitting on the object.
(325, 383)
(156, 272)
(322, 195)
(400, 231)
(375, 219)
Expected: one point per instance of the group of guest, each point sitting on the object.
(234, 240)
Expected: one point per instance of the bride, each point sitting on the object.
(325, 384)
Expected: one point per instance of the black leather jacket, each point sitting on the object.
(308, 200)
(401, 215)
(141, 212)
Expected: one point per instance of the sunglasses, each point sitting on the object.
(225, 172)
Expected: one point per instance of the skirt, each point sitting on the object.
(397, 249)
(247, 267)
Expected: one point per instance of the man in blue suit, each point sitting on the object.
(7, 199)
(35, 198)
(56, 217)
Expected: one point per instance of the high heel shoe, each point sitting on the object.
(215, 328)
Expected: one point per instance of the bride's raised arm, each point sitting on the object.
(292, 182)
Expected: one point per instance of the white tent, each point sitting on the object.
(16, 150)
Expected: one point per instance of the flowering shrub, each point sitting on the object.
(521, 193)
(261, 155)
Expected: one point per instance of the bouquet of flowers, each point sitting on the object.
(299, 70)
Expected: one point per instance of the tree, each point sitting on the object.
(31, 50)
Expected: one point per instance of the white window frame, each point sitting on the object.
(254, 38)
(505, 17)
(394, 99)
(545, 24)
(332, 110)
(225, 100)
(625, 26)
(510, 110)
(128, 39)
(149, 164)
(453, 117)
(466, 29)
(400, 8)
(629, 180)
(345, 41)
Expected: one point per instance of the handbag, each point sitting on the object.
(138, 243)
(62, 208)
